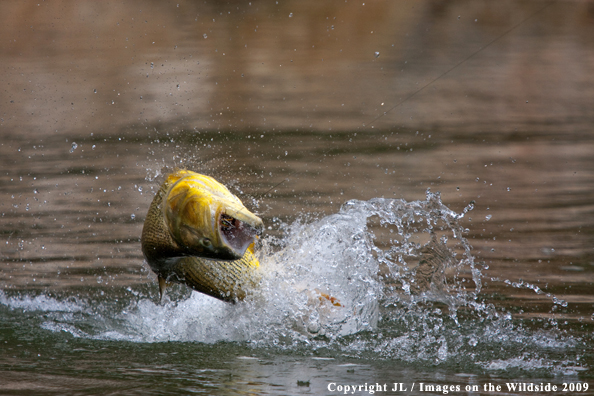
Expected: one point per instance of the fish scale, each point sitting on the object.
(225, 280)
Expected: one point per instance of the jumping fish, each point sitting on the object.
(199, 234)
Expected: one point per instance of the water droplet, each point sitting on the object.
(442, 353)
(132, 216)
(376, 54)
(94, 91)
(313, 328)
(74, 147)
(290, 15)
(488, 217)
(204, 35)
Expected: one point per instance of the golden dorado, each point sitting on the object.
(198, 233)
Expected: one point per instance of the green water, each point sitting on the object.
(38, 361)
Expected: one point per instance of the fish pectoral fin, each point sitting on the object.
(162, 285)
(333, 300)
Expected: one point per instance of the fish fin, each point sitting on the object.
(251, 248)
(333, 300)
(162, 286)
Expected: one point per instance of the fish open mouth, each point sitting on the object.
(236, 234)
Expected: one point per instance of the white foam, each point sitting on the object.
(40, 303)
(320, 289)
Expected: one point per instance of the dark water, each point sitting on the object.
(489, 104)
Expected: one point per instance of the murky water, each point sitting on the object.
(456, 230)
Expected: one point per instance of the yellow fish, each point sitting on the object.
(198, 233)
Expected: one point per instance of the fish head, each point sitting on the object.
(206, 220)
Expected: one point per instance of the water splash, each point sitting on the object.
(380, 279)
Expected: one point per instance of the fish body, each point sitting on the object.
(198, 233)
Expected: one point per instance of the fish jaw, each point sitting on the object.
(206, 220)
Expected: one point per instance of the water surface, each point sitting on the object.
(281, 103)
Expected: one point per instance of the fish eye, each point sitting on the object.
(206, 242)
